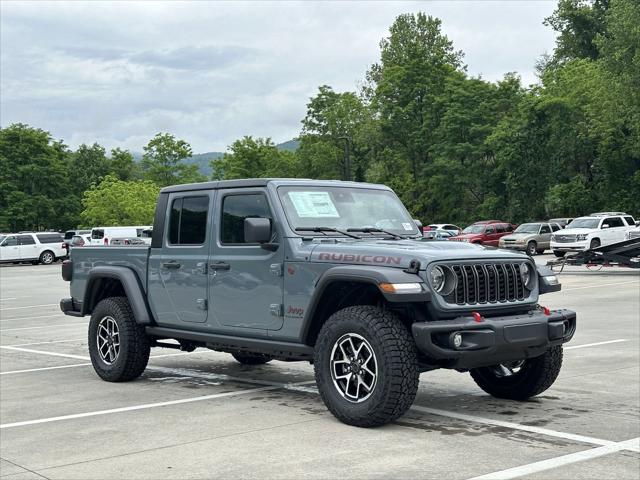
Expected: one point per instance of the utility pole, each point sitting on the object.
(346, 175)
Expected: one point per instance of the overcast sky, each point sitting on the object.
(117, 73)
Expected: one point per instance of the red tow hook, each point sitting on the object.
(477, 317)
(545, 310)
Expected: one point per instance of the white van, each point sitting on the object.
(104, 235)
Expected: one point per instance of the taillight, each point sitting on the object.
(106, 241)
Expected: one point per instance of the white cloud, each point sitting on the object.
(117, 73)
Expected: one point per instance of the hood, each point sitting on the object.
(399, 253)
(518, 236)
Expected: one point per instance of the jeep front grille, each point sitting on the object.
(487, 283)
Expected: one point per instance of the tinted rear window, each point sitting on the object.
(26, 240)
(50, 237)
(188, 221)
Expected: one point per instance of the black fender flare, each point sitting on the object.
(363, 274)
(132, 288)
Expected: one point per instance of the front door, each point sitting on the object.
(178, 281)
(29, 250)
(245, 281)
(9, 249)
(545, 237)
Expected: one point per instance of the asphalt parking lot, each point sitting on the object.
(202, 415)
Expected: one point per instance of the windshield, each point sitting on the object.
(528, 228)
(584, 223)
(474, 229)
(344, 208)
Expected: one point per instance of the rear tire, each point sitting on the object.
(558, 253)
(118, 345)
(251, 358)
(366, 366)
(47, 257)
(533, 376)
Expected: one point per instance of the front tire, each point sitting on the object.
(47, 257)
(118, 346)
(520, 380)
(595, 243)
(251, 358)
(532, 247)
(366, 367)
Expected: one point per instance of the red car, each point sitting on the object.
(487, 232)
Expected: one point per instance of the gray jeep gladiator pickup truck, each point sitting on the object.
(329, 272)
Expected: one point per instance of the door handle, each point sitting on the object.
(172, 264)
(219, 266)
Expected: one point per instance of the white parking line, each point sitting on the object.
(42, 369)
(83, 324)
(596, 344)
(556, 462)
(136, 407)
(42, 352)
(29, 306)
(46, 343)
(598, 286)
(14, 319)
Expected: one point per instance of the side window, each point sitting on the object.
(489, 231)
(500, 228)
(49, 238)
(26, 240)
(509, 227)
(188, 220)
(10, 242)
(235, 208)
(555, 227)
(97, 234)
(545, 229)
(614, 222)
(630, 221)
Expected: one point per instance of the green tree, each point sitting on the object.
(163, 161)
(254, 158)
(122, 164)
(33, 180)
(88, 165)
(115, 202)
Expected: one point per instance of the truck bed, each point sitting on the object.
(85, 258)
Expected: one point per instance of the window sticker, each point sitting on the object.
(313, 204)
(407, 226)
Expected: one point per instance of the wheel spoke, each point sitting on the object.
(353, 377)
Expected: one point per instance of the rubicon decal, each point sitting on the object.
(349, 257)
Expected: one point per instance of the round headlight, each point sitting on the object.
(525, 274)
(437, 278)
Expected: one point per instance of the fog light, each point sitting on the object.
(457, 340)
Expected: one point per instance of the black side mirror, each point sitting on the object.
(257, 230)
(418, 224)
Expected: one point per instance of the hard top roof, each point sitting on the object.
(262, 182)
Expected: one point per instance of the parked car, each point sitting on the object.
(128, 241)
(454, 229)
(590, 232)
(438, 235)
(44, 247)
(530, 237)
(103, 235)
(68, 237)
(563, 222)
(80, 240)
(487, 233)
(328, 272)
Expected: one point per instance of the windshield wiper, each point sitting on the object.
(375, 230)
(326, 229)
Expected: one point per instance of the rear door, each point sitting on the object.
(178, 281)
(246, 281)
(615, 232)
(490, 236)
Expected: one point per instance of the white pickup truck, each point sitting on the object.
(589, 232)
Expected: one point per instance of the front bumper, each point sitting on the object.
(493, 340)
(513, 246)
(569, 247)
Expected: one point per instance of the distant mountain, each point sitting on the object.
(202, 159)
